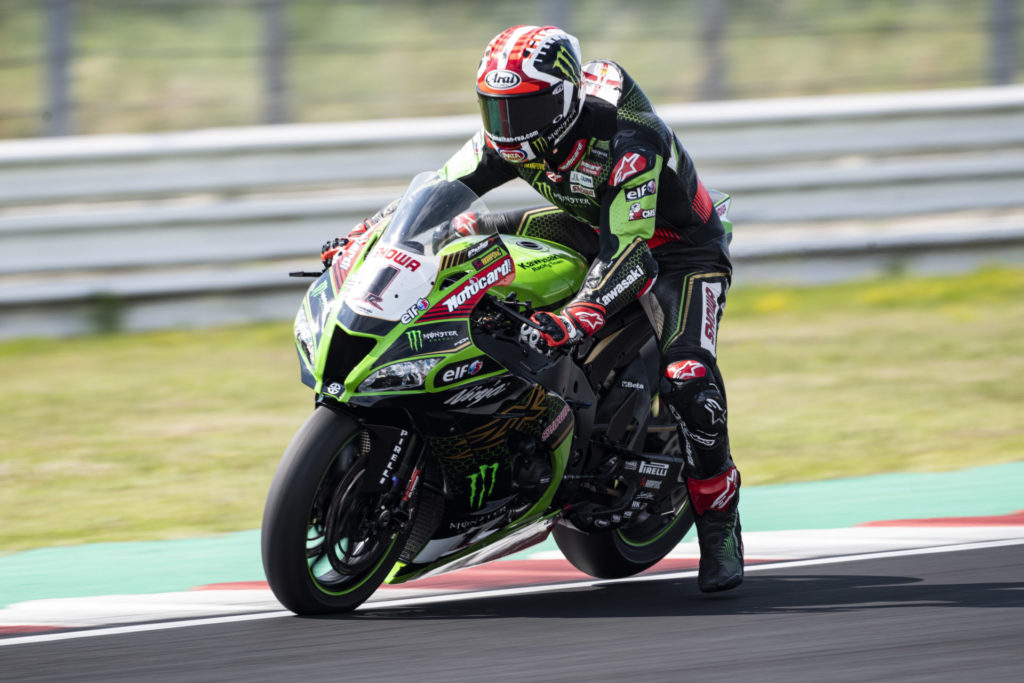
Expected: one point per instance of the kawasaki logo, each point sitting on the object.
(478, 285)
(632, 276)
(479, 488)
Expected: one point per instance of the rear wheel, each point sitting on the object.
(328, 541)
(652, 535)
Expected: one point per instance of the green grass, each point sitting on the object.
(172, 434)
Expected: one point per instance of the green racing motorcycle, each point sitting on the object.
(440, 441)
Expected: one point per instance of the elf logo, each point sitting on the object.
(462, 371)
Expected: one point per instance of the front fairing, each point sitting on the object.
(397, 321)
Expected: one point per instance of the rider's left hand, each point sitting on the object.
(578, 320)
(555, 330)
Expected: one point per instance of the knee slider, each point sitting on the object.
(695, 399)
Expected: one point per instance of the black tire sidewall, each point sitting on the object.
(286, 515)
(606, 555)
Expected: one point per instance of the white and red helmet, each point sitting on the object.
(529, 88)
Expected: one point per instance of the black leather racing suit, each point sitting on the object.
(622, 172)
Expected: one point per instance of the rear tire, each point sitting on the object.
(630, 550)
(322, 550)
(622, 552)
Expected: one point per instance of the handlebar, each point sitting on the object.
(512, 312)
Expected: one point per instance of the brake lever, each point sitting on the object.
(304, 273)
(514, 314)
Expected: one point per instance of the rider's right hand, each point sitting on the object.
(332, 249)
(464, 224)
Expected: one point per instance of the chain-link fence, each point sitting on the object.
(102, 66)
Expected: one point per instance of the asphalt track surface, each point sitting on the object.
(948, 616)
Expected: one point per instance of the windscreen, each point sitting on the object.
(422, 220)
(400, 271)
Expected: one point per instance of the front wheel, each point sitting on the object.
(328, 541)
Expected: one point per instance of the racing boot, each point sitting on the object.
(716, 509)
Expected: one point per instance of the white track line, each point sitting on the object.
(495, 593)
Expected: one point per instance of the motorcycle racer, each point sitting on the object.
(626, 195)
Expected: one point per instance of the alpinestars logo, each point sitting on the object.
(732, 485)
(632, 276)
(481, 484)
(478, 285)
(629, 165)
(685, 369)
(716, 412)
(591, 321)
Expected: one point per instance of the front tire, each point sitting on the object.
(324, 547)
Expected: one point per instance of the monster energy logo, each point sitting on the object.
(545, 190)
(565, 62)
(415, 339)
(479, 489)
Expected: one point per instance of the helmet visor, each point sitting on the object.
(521, 118)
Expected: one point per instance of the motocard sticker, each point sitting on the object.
(465, 297)
(710, 294)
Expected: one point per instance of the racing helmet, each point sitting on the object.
(529, 90)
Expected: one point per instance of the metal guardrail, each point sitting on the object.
(153, 225)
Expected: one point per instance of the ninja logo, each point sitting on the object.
(481, 484)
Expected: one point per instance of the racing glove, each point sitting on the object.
(332, 249)
(465, 224)
(577, 321)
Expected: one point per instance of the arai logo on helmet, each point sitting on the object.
(502, 80)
